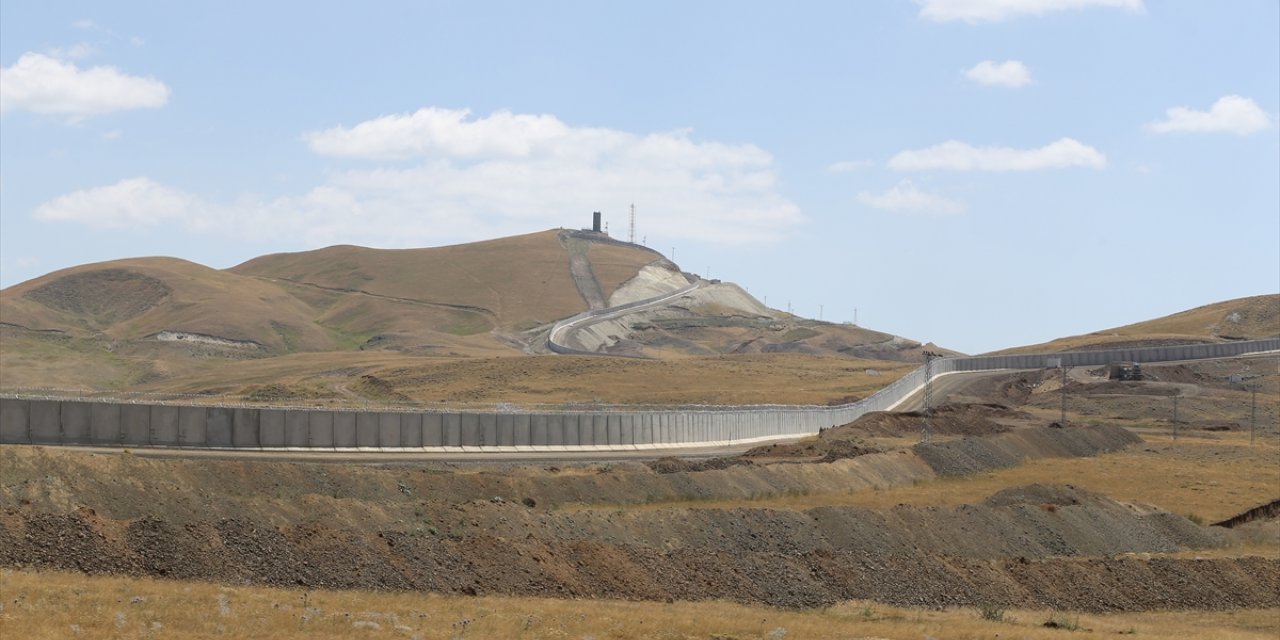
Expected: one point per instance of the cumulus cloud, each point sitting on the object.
(906, 198)
(958, 156)
(1230, 114)
(976, 11)
(478, 178)
(1010, 73)
(45, 84)
(131, 203)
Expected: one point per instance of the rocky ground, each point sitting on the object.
(630, 531)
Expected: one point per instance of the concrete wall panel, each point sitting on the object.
(135, 425)
(556, 428)
(488, 430)
(76, 417)
(520, 434)
(297, 428)
(411, 430)
(321, 428)
(193, 427)
(366, 430)
(506, 430)
(164, 425)
(470, 430)
(452, 429)
(344, 430)
(244, 428)
(613, 423)
(389, 430)
(433, 430)
(45, 418)
(538, 429)
(271, 432)
(104, 425)
(15, 415)
(218, 427)
(599, 429)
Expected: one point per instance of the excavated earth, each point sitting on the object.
(604, 530)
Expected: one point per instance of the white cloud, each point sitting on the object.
(906, 198)
(849, 166)
(975, 11)
(958, 156)
(86, 24)
(1010, 73)
(1230, 114)
(132, 203)
(113, 134)
(43, 84)
(489, 177)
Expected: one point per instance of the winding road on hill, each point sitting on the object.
(558, 339)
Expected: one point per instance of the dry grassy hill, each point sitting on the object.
(353, 324)
(1251, 318)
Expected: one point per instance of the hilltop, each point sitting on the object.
(348, 323)
(1251, 318)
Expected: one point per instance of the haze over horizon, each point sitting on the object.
(979, 174)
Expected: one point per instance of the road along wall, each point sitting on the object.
(66, 421)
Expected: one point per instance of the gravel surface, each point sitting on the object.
(292, 524)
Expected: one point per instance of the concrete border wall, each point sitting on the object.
(41, 420)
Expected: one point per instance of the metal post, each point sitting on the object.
(926, 431)
(1175, 418)
(1253, 412)
(1063, 419)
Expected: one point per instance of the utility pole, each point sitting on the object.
(1253, 412)
(631, 237)
(1063, 420)
(926, 432)
(1175, 418)
(819, 312)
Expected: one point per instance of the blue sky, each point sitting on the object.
(976, 173)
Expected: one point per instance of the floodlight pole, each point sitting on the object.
(926, 432)
(1063, 419)
(1253, 412)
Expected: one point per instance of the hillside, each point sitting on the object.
(354, 324)
(1251, 318)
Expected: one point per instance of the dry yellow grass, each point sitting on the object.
(335, 379)
(1252, 317)
(45, 605)
(1209, 479)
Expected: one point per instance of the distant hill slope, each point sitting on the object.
(1251, 318)
(164, 324)
(143, 298)
(518, 282)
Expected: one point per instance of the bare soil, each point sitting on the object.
(506, 531)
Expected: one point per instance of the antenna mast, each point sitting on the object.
(632, 237)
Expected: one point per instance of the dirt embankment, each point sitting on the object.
(1009, 552)
(466, 532)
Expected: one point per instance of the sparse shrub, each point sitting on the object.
(1199, 521)
(777, 634)
(1049, 507)
(991, 612)
(1061, 621)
